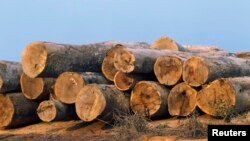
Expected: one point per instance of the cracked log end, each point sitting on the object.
(124, 81)
(195, 71)
(165, 43)
(90, 102)
(182, 100)
(217, 99)
(34, 58)
(47, 111)
(168, 69)
(6, 110)
(124, 60)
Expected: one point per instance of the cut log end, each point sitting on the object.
(31, 87)
(165, 43)
(168, 69)
(217, 99)
(47, 111)
(90, 102)
(1, 82)
(124, 61)
(34, 59)
(67, 85)
(195, 71)
(124, 81)
(6, 110)
(145, 98)
(182, 100)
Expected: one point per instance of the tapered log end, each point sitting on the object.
(217, 99)
(195, 71)
(31, 87)
(124, 81)
(124, 60)
(145, 99)
(90, 103)
(6, 110)
(46, 111)
(182, 100)
(67, 85)
(168, 69)
(34, 58)
(165, 42)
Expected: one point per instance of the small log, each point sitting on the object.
(100, 102)
(167, 43)
(16, 110)
(68, 84)
(181, 100)
(50, 110)
(125, 81)
(149, 98)
(225, 96)
(108, 68)
(36, 88)
(9, 76)
(244, 55)
(201, 70)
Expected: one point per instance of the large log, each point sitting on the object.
(9, 76)
(36, 88)
(51, 59)
(68, 84)
(108, 68)
(244, 55)
(150, 99)
(200, 70)
(225, 96)
(100, 102)
(182, 100)
(16, 110)
(50, 110)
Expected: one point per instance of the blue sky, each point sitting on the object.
(212, 22)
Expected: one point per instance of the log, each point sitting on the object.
(100, 102)
(50, 110)
(167, 43)
(225, 96)
(9, 76)
(244, 55)
(182, 100)
(68, 84)
(108, 68)
(201, 70)
(46, 59)
(150, 99)
(36, 88)
(16, 110)
(125, 81)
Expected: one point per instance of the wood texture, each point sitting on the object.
(244, 55)
(167, 43)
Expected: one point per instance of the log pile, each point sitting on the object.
(104, 80)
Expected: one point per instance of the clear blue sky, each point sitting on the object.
(225, 23)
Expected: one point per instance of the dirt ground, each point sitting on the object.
(99, 131)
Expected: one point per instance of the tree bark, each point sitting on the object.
(16, 110)
(36, 88)
(108, 68)
(68, 84)
(182, 100)
(244, 55)
(46, 59)
(225, 96)
(9, 76)
(200, 70)
(50, 110)
(149, 98)
(100, 102)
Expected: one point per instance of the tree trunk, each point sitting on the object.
(68, 84)
(244, 55)
(9, 76)
(50, 110)
(36, 88)
(45, 59)
(126, 81)
(149, 98)
(16, 110)
(181, 100)
(200, 70)
(167, 43)
(100, 102)
(225, 96)
(108, 68)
